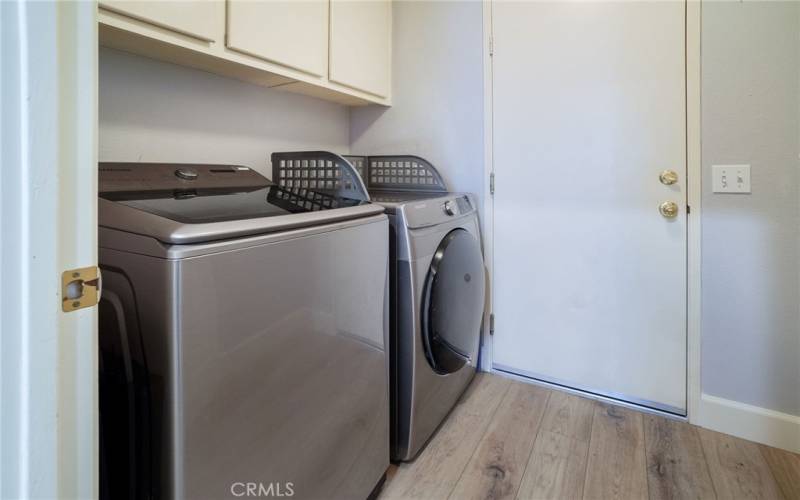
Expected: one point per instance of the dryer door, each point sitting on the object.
(452, 305)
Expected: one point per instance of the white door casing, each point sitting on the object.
(48, 224)
(589, 106)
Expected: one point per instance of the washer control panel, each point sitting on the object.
(186, 174)
(116, 177)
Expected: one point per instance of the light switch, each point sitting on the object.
(730, 178)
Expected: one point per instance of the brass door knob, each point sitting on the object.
(668, 209)
(668, 177)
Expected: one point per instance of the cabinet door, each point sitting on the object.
(197, 18)
(361, 45)
(290, 33)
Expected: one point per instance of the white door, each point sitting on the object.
(589, 276)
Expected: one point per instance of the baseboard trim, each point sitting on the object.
(770, 427)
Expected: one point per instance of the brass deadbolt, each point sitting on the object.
(668, 177)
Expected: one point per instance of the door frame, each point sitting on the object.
(48, 222)
(693, 199)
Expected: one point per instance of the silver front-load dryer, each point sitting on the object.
(437, 286)
(437, 295)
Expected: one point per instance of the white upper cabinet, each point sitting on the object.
(338, 50)
(293, 33)
(361, 45)
(196, 18)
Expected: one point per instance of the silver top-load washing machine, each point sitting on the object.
(437, 293)
(243, 333)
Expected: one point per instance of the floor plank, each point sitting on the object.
(580, 448)
(737, 467)
(557, 465)
(785, 467)
(496, 468)
(616, 466)
(676, 467)
(437, 469)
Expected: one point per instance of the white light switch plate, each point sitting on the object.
(730, 178)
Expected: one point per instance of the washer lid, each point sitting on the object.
(181, 204)
(205, 206)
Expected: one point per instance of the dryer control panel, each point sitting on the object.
(434, 211)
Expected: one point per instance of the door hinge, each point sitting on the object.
(688, 209)
(491, 45)
(80, 288)
(491, 324)
(491, 183)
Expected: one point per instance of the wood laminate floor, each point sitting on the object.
(508, 439)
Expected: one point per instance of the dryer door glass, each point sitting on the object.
(453, 302)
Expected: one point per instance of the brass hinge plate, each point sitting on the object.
(80, 288)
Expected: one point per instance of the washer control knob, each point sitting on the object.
(186, 174)
(450, 207)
